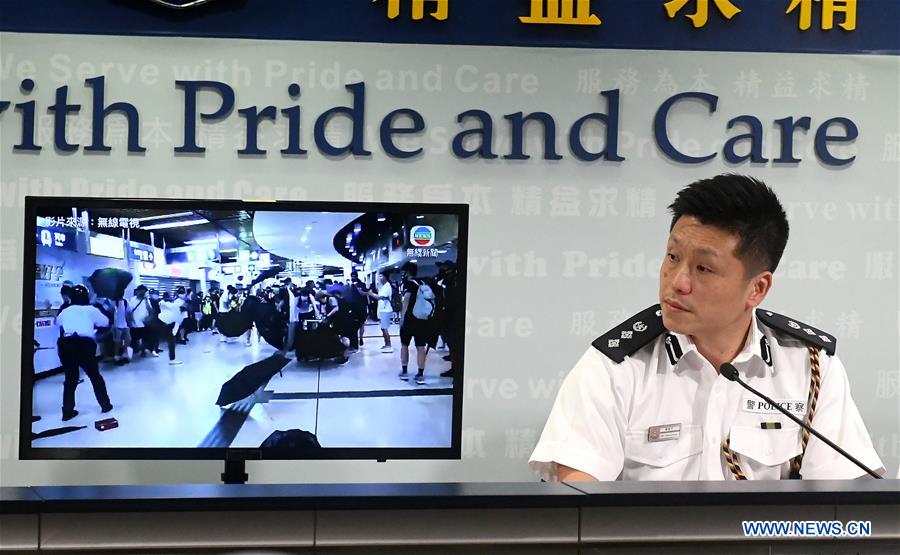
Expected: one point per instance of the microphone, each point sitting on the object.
(731, 373)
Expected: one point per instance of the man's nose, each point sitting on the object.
(681, 280)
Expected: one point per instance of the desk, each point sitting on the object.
(614, 517)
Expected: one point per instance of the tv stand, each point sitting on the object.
(235, 465)
(235, 472)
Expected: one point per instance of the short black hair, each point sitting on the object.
(80, 295)
(744, 206)
(410, 268)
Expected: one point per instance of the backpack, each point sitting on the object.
(396, 300)
(423, 309)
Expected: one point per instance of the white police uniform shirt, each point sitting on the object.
(606, 412)
(81, 320)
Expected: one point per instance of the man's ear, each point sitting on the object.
(758, 288)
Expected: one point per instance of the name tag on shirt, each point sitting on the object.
(758, 406)
(665, 432)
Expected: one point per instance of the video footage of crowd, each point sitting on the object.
(314, 322)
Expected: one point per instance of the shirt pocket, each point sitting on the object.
(763, 453)
(673, 459)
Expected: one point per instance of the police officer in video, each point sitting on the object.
(78, 350)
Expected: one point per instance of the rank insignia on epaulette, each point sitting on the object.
(673, 349)
(632, 334)
(765, 351)
(798, 330)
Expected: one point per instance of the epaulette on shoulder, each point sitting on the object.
(632, 334)
(799, 330)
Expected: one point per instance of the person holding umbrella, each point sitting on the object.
(78, 350)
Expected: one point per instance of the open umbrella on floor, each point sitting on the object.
(249, 379)
(55, 432)
(110, 282)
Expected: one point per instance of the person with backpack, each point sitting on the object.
(396, 301)
(417, 320)
(141, 321)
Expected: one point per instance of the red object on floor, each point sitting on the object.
(106, 424)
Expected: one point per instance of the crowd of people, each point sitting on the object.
(315, 320)
(327, 319)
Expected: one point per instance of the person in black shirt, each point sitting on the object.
(417, 320)
(447, 283)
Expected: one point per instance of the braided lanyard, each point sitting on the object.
(815, 382)
(731, 459)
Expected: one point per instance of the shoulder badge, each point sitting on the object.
(632, 334)
(798, 330)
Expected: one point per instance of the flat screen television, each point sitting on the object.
(197, 329)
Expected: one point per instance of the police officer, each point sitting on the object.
(646, 401)
(77, 349)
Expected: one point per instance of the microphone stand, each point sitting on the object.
(730, 373)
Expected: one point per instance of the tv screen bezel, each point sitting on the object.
(29, 452)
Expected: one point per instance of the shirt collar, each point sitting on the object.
(752, 346)
(756, 345)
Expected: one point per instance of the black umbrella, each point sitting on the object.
(110, 282)
(271, 323)
(354, 298)
(251, 307)
(266, 274)
(249, 379)
(291, 439)
(55, 432)
(233, 324)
